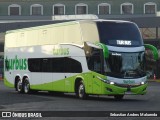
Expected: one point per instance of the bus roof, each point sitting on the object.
(64, 24)
(71, 32)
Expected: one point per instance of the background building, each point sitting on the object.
(24, 13)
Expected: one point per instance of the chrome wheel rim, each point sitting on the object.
(19, 86)
(81, 91)
(26, 87)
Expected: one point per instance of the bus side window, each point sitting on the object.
(34, 64)
(46, 65)
(72, 66)
(54, 65)
(94, 63)
(58, 65)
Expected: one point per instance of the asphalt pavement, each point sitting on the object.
(12, 101)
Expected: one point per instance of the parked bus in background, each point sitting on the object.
(87, 57)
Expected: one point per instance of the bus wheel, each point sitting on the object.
(81, 91)
(118, 97)
(19, 86)
(26, 86)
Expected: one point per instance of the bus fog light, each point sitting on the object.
(112, 83)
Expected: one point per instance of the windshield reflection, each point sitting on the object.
(125, 65)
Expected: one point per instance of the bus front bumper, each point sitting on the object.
(118, 89)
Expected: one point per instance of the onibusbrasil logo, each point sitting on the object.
(15, 63)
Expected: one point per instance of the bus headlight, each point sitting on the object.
(142, 83)
(112, 83)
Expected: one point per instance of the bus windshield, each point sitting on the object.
(125, 65)
(114, 33)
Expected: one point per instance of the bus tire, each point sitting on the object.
(81, 91)
(118, 97)
(19, 86)
(26, 86)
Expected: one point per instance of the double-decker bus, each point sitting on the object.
(86, 57)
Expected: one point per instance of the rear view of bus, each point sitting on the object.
(125, 65)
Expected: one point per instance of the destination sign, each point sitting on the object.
(124, 42)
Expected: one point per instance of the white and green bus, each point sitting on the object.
(86, 57)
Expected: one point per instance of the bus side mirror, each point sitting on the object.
(105, 49)
(153, 49)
